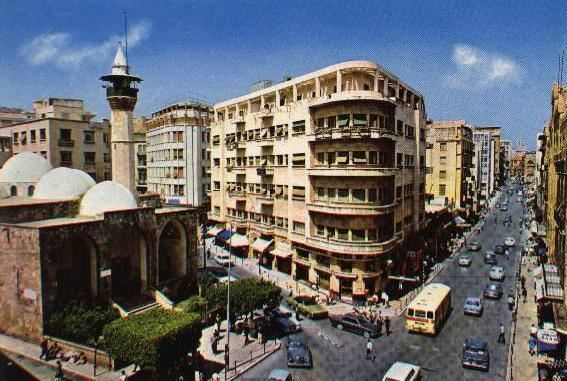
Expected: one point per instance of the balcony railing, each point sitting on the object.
(265, 171)
(65, 163)
(352, 170)
(354, 247)
(88, 141)
(349, 208)
(66, 143)
(352, 132)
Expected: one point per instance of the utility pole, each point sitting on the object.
(227, 346)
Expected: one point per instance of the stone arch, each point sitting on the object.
(128, 263)
(13, 191)
(76, 268)
(172, 252)
(31, 189)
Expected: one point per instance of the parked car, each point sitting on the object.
(475, 354)
(298, 353)
(510, 242)
(497, 273)
(503, 208)
(402, 371)
(223, 259)
(499, 249)
(493, 291)
(474, 246)
(490, 258)
(282, 319)
(465, 260)
(473, 306)
(279, 375)
(355, 323)
(497, 206)
(308, 306)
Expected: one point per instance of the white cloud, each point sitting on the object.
(476, 69)
(58, 48)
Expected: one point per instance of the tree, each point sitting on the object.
(155, 339)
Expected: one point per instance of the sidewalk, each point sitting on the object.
(245, 356)
(31, 352)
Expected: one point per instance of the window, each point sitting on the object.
(400, 127)
(342, 234)
(23, 137)
(331, 193)
(443, 160)
(442, 189)
(31, 189)
(321, 123)
(105, 138)
(359, 157)
(42, 134)
(342, 157)
(400, 159)
(320, 230)
(442, 146)
(66, 156)
(399, 191)
(372, 157)
(321, 193)
(15, 138)
(216, 140)
(359, 120)
(373, 121)
(89, 157)
(216, 162)
(13, 191)
(399, 226)
(442, 174)
(332, 122)
(216, 185)
(371, 195)
(65, 134)
(342, 194)
(343, 120)
(410, 131)
(331, 158)
(320, 157)
(298, 160)
(299, 227)
(358, 195)
(32, 136)
(298, 127)
(89, 137)
(298, 193)
(372, 234)
(358, 235)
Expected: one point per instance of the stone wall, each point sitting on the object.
(17, 213)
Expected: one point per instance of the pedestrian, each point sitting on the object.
(524, 293)
(523, 281)
(533, 331)
(208, 253)
(501, 338)
(214, 343)
(387, 325)
(123, 376)
(369, 350)
(218, 321)
(44, 345)
(532, 342)
(59, 372)
(246, 331)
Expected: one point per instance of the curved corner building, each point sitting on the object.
(324, 174)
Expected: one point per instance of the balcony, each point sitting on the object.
(239, 170)
(351, 209)
(264, 228)
(352, 170)
(354, 248)
(215, 217)
(241, 144)
(266, 142)
(351, 132)
(349, 96)
(265, 200)
(302, 261)
(66, 143)
(267, 113)
(66, 163)
(238, 222)
(89, 141)
(237, 194)
(265, 171)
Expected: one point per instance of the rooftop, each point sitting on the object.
(58, 222)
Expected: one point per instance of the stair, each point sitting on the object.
(144, 308)
(136, 305)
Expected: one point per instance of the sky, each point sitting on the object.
(488, 62)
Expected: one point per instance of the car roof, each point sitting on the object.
(279, 373)
(497, 268)
(473, 299)
(476, 343)
(400, 370)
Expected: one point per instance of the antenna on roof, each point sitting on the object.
(126, 41)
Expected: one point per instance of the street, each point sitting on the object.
(340, 355)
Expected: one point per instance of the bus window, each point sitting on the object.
(410, 312)
(419, 314)
(429, 315)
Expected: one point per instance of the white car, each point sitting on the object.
(510, 242)
(465, 260)
(223, 259)
(402, 371)
(497, 273)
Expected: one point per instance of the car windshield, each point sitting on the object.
(296, 344)
(473, 302)
(475, 349)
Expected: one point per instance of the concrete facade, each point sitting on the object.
(497, 164)
(140, 151)
(529, 166)
(179, 167)
(485, 159)
(329, 170)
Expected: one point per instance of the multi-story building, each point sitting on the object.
(505, 157)
(497, 165)
(517, 165)
(324, 174)
(540, 178)
(178, 162)
(529, 166)
(10, 115)
(485, 168)
(140, 129)
(449, 154)
(63, 133)
(477, 177)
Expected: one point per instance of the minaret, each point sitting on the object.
(122, 95)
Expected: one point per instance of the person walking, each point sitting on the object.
(123, 376)
(59, 372)
(44, 345)
(369, 355)
(501, 338)
(532, 343)
(218, 321)
(533, 331)
(387, 325)
(524, 293)
(523, 281)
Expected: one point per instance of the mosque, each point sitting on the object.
(63, 237)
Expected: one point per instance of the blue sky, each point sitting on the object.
(489, 62)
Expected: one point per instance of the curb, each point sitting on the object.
(253, 363)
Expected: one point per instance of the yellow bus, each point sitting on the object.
(427, 312)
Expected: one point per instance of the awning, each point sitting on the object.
(238, 240)
(548, 286)
(224, 235)
(459, 220)
(261, 244)
(281, 253)
(213, 231)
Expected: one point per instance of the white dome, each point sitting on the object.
(25, 167)
(63, 182)
(105, 197)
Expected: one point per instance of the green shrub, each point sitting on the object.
(195, 303)
(155, 339)
(308, 306)
(80, 321)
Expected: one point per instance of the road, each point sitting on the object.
(340, 355)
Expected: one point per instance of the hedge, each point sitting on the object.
(308, 306)
(155, 339)
(80, 321)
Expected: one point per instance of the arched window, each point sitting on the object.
(31, 189)
(13, 190)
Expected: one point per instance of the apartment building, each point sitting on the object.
(505, 157)
(517, 165)
(64, 134)
(178, 162)
(11, 115)
(140, 168)
(323, 175)
(497, 164)
(540, 178)
(529, 166)
(485, 167)
(449, 155)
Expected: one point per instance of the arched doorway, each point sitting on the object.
(13, 191)
(172, 252)
(128, 264)
(76, 264)
(31, 189)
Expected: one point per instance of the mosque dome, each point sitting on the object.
(105, 197)
(63, 182)
(25, 167)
